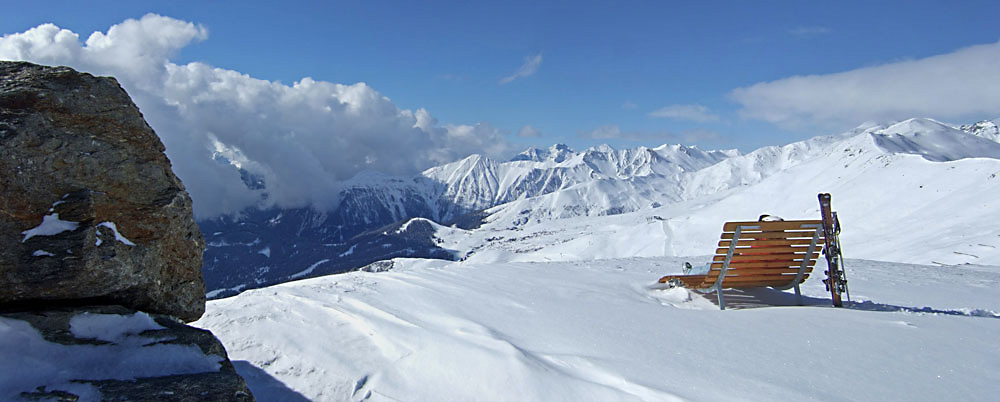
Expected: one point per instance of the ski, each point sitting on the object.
(836, 278)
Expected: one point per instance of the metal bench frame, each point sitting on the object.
(717, 287)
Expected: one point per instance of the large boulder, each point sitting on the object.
(90, 210)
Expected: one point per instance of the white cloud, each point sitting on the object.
(463, 139)
(696, 113)
(629, 105)
(303, 139)
(529, 67)
(957, 85)
(529, 132)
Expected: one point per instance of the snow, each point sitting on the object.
(266, 252)
(934, 141)
(599, 330)
(349, 251)
(213, 293)
(114, 328)
(51, 225)
(31, 361)
(986, 129)
(118, 236)
(42, 253)
(406, 225)
(556, 297)
(224, 243)
(309, 270)
(477, 182)
(923, 211)
(217, 292)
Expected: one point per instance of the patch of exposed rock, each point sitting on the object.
(108, 353)
(90, 208)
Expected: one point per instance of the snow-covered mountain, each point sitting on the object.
(476, 183)
(933, 169)
(987, 129)
(262, 247)
(554, 297)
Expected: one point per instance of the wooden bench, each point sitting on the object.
(759, 254)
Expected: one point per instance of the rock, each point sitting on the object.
(192, 364)
(90, 208)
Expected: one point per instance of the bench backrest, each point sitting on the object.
(779, 254)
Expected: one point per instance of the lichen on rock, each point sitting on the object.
(89, 206)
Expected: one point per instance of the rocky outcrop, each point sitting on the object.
(90, 208)
(111, 353)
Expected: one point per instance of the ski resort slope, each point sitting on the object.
(596, 330)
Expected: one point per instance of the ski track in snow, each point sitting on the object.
(600, 330)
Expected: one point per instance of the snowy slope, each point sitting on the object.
(934, 141)
(922, 188)
(437, 330)
(907, 192)
(555, 297)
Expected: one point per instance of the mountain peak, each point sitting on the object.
(559, 153)
(987, 129)
(560, 147)
(933, 140)
(531, 154)
(917, 126)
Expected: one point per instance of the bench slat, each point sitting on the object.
(760, 278)
(762, 250)
(770, 226)
(764, 264)
(779, 242)
(790, 258)
(772, 235)
(714, 273)
(743, 285)
(757, 271)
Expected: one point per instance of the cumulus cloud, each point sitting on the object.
(303, 139)
(463, 139)
(529, 68)
(696, 113)
(957, 85)
(529, 132)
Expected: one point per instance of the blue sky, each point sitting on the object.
(496, 77)
(603, 63)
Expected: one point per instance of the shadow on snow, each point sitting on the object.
(737, 299)
(265, 387)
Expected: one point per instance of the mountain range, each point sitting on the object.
(666, 200)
